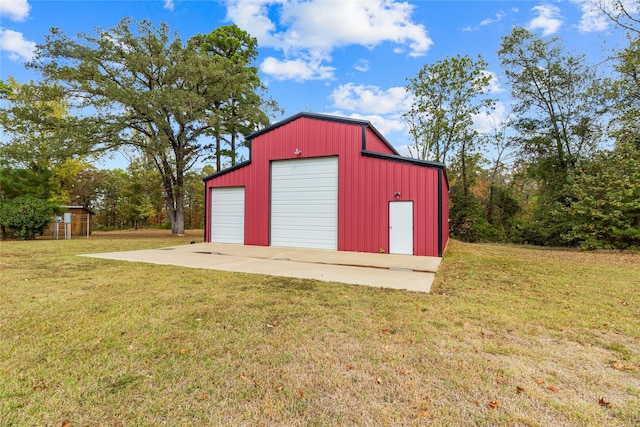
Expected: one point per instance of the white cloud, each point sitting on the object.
(16, 46)
(486, 122)
(494, 82)
(169, 4)
(314, 28)
(253, 17)
(489, 21)
(296, 69)
(362, 66)
(593, 19)
(547, 20)
(371, 99)
(319, 25)
(15, 10)
(384, 124)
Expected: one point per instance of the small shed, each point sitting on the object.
(80, 218)
(328, 182)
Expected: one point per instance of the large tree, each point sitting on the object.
(556, 106)
(625, 92)
(447, 95)
(245, 110)
(144, 88)
(40, 136)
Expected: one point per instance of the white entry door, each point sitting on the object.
(401, 227)
(227, 215)
(304, 203)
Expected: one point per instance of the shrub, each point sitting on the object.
(26, 216)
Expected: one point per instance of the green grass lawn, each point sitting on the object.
(509, 336)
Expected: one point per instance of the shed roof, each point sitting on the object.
(78, 207)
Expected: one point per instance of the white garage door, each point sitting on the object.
(227, 215)
(304, 203)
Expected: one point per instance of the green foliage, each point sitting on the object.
(147, 89)
(605, 207)
(447, 94)
(41, 138)
(505, 206)
(21, 181)
(110, 198)
(558, 105)
(467, 220)
(625, 94)
(245, 110)
(41, 131)
(25, 216)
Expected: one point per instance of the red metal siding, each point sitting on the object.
(366, 185)
(376, 144)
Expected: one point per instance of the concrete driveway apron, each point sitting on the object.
(413, 273)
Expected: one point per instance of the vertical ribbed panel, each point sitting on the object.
(366, 185)
(375, 144)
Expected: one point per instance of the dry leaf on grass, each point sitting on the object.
(183, 351)
(519, 389)
(350, 367)
(604, 403)
(424, 413)
(553, 388)
(540, 381)
(621, 367)
(493, 404)
(299, 394)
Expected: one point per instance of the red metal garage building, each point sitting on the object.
(319, 181)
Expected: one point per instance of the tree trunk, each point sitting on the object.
(178, 225)
(233, 149)
(465, 184)
(490, 205)
(218, 153)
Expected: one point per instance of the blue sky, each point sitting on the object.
(349, 58)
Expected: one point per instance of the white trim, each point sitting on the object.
(227, 215)
(304, 203)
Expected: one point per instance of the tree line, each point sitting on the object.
(562, 170)
(175, 103)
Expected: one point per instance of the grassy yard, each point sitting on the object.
(509, 336)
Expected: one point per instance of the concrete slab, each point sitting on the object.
(412, 273)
